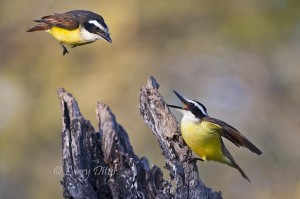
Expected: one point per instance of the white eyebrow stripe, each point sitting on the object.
(96, 23)
(198, 105)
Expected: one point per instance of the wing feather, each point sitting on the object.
(233, 135)
(69, 22)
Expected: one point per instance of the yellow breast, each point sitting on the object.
(71, 37)
(203, 138)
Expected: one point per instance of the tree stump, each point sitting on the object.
(102, 164)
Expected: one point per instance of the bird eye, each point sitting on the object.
(97, 28)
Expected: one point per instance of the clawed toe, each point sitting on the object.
(65, 51)
(191, 159)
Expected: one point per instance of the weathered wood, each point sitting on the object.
(103, 164)
(82, 153)
(166, 129)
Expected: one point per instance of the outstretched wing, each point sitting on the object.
(233, 135)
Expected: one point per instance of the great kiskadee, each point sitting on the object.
(203, 134)
(75, 28)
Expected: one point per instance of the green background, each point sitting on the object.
(239, 58)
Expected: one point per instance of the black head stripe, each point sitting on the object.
(101, 21)
(94, 28)
(197, 108)
(200, 104)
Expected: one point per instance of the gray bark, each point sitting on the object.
(103, 164)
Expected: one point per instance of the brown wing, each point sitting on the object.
(233, 135)
(69, 22)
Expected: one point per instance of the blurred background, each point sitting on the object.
(239, 58)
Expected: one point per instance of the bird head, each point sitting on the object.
(96, 28)
(191, 109)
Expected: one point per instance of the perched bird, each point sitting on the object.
(75, 28)
(203, 134)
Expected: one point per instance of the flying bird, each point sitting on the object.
(75, 28)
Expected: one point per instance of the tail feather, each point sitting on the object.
(235, 165)
(231, 162)
(38, 27)
(39, 20)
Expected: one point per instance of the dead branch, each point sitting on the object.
(103, 164)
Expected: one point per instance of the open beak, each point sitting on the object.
(182, 99)
(105, 36)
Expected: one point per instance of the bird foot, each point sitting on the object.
(191, 159)
(65, 51)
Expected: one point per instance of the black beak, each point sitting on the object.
(105, 36)
(173, 106)
(182, 99)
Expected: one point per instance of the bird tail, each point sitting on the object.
(39, 27)
(235, 165)
(231, 162)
